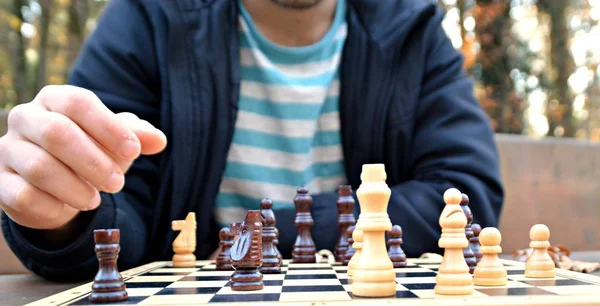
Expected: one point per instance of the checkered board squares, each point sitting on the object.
(323, 283)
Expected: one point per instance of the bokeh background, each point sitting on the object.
(535, 61)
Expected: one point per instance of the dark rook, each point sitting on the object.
(108, 285)
(304, 248)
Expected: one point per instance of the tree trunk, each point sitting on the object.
(562, 67)
(492, 28)
(462, 8)
(79, 12)
(19, 62)
(593, 103)
(44, 31)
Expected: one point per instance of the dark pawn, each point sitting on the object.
(246, 253)
(345, 206)
(474, 241)
(224, 258)
(276, 243)
(467, 252)
(270, 263)
(108, 284)
(395, 252)
(350, 251)
(304, 248)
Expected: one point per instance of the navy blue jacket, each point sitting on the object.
(405, 102)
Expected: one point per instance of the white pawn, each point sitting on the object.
(490, 271)
(539, 264)
(453, 276)
(357, 236)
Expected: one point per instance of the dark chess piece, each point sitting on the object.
(226, 241)
(474, 241)
(276, 243)
(467, 252)
(304, 248)
(350, 251)
(108, 285)
(270, 261)
(246, 253)
(395, 251)
(345, 206)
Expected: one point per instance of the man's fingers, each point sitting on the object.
(65, 140)
(28, 204)
(47, 173)
(42, 223)
(152, 139)
(85, 109)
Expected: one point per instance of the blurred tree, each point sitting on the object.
(561, 68)
(495, 60)
(79, 12)
(42, 53)
(514, 76)
(40, 40)
(19, 72)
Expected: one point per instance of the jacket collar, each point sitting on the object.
(389, 22)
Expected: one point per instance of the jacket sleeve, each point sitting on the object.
(452, 145)
(117, 63)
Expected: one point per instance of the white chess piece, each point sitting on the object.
(453, 276)
(539, 264)
(490, 271)
(185, 243)
(357, 236)
(374, 274)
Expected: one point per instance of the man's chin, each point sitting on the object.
(297, 4)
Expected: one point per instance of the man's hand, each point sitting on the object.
(61, 149)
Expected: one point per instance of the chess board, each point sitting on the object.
(326, 283)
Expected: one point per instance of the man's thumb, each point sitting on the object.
(152, 140)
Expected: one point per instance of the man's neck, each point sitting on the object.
(291, 27)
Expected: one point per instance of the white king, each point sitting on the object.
(374, 274)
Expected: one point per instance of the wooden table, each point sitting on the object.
(22, 289)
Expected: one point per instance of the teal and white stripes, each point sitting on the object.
(287, 131)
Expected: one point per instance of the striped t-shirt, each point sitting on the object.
(287, 131)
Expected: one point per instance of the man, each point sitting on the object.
(254, 97)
